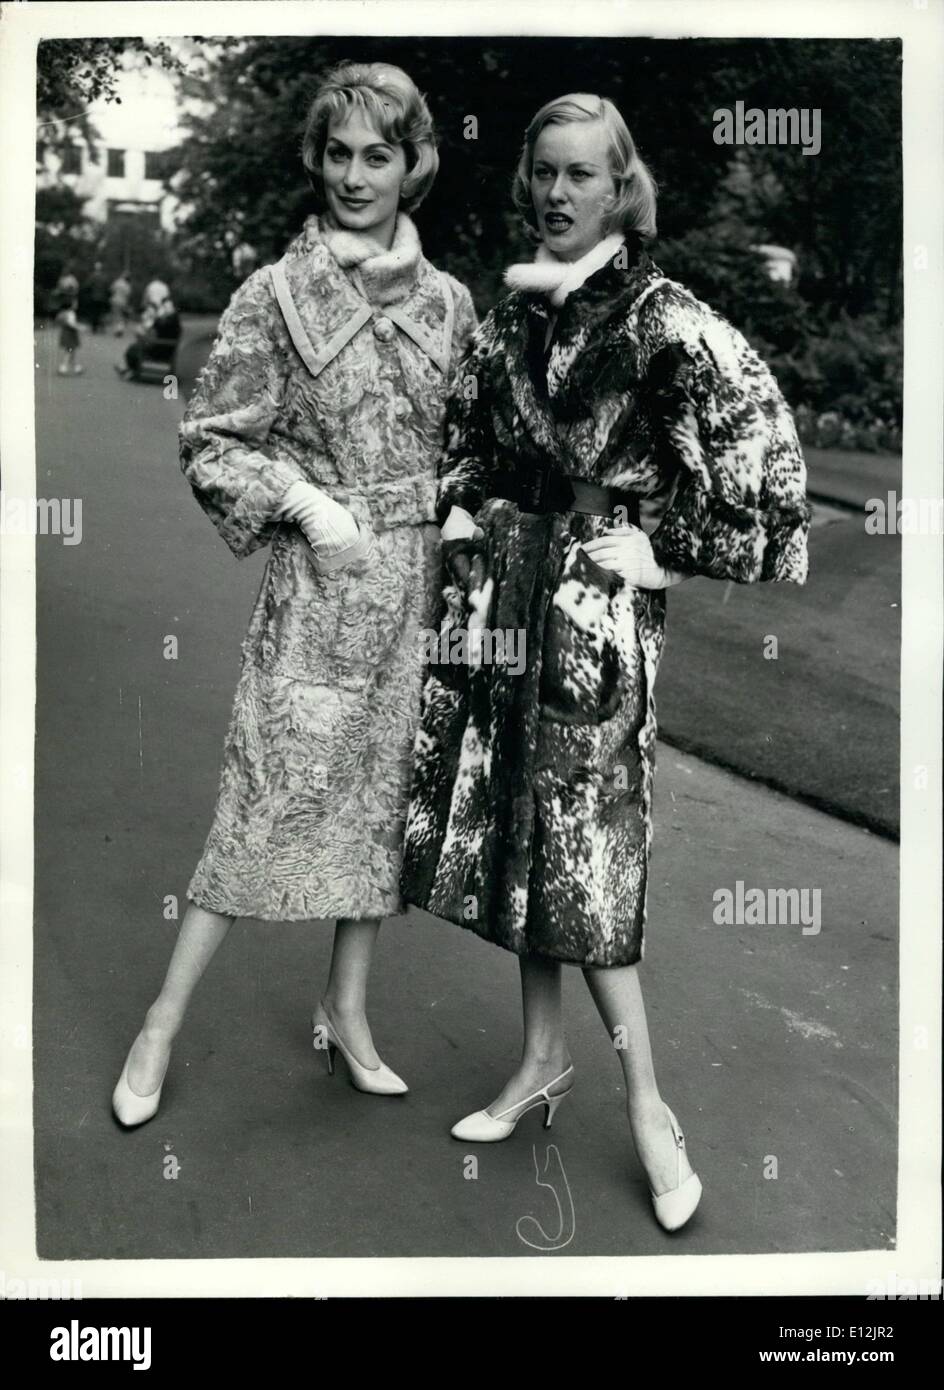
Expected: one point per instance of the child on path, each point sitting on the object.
(69, 339)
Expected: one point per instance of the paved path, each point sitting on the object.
(768, 1042)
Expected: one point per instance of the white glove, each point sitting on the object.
(459, 525)
(328, 527)
(628, 551)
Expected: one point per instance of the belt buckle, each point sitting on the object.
(536, 489)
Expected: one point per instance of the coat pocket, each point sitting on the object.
(582, 677)
(331, 627)
(446, 652)
(364, 597)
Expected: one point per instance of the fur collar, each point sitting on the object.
(383, 277)
(592, 353)
(558, 279)
(386, 277)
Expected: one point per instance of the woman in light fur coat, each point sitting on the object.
(596, 383)
(316, 428)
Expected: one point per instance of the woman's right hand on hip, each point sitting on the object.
(327, 526)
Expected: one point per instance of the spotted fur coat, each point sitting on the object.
(530, 819)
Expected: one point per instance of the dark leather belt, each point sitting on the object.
(537, 489)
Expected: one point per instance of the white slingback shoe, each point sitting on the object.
(483, 1128)
(673, 1208)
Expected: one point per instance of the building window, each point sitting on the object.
(71, 156)
(116, 164)
(153, 164)
(159, 164)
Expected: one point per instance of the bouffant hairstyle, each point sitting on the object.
(634, 202)
(389, 100)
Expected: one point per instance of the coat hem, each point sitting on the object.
(584, 964)
(358, 913)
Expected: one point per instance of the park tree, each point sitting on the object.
(64, 237)
(241, 181)
(73, 74)
(840, 211)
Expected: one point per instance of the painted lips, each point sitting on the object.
(557, 221)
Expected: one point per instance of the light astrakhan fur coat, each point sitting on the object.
(334, 370)
(530, 821)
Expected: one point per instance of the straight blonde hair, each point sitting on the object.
(634, 200)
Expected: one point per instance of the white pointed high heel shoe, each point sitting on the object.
(377, 1081)
(674, 1208)
(129, 1108)
(483, 1128)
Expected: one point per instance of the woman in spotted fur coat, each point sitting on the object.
(596, 383)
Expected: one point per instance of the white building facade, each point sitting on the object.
(126, 175)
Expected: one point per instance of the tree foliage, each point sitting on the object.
(840, 210)
(72, 74)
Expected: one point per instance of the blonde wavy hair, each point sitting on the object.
(634, 199)
(390, 101)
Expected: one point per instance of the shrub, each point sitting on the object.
(724, 271)
(843, 377)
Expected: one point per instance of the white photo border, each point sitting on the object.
(920, 26)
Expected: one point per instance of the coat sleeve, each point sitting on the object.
(468, 456)
(226, 451)
(739, 510)
(465, 325)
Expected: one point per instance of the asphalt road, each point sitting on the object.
(769, 1042)
(816, 714)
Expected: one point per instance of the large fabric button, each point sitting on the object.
(384, 330)
(402, 408)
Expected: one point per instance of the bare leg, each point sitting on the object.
(200, 937)
(617, 994)
(544, 1053)
(345, 996)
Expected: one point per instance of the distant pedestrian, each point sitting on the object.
(69, 338)
(95, 298)
(158, 335)
(67, 287)
(120, 299)
(155, 292)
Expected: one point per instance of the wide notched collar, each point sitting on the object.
(324, 307)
